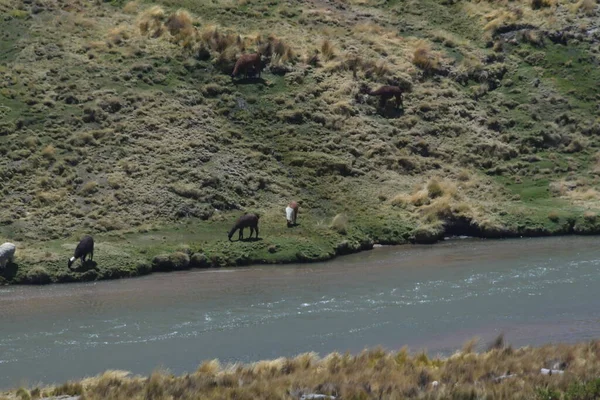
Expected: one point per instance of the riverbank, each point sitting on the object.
(204, 244)
(500, 372)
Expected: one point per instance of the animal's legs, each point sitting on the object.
(256, 229)
(241, 236)
(399, 100)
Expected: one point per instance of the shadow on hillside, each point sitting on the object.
(248, 240)
(390, 112)
(9, 271)
(88, 265)
(250, 81)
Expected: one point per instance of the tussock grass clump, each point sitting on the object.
(89, 188)
(588, 7)
(218, 40)
(151, 22)
(116, 36)
(424, 58)
(465, 374)
(131, 7)
(328, 50)
(49, 152)
(340, 224)
(553, 216)
(439, 202)
(180, 26)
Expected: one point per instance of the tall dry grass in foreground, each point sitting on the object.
(499, 373)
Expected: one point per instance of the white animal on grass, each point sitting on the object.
(7, 253)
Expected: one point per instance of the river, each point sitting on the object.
(436, 297)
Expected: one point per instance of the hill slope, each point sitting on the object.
(121, 120)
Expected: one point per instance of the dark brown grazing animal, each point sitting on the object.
(248, 63)
(245, 221)
(291, 212)
(85, 247)
(387, 92)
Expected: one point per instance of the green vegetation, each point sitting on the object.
(119, 119)
(499, 373)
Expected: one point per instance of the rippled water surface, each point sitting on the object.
(434, 297)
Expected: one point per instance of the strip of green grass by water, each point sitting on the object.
(204, 244)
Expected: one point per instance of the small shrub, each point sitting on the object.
(464, 175)
(81, 139)
(587, 6)
(118, 35)
(161, 262)
(88, 188)
(49, 152)
(131, 7)
(434, 188)
(179, 260)
(340, 224)
(199, 260)
(583, 391)
(548, 394)
(553, 216)
(590, 216)
(20, 14)
(115, 181)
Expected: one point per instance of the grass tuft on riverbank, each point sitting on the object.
(119, 119)
(501, 372)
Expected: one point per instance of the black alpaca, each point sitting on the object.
(85, 247)
(245, 221)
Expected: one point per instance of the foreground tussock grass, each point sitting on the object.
(499, 373)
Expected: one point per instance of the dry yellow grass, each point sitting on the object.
(327, 50)
(131, 7)
(340, 223)
(371, 374)
(150, 21)
(425, 58)
(117, 35)
(443, 200)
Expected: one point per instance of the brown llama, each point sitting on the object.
(245, 221)
(387, 92)
(247, 63)
(291, 213)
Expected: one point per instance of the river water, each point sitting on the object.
(427, 297)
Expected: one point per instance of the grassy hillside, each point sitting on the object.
(499, 373)
(120, 119)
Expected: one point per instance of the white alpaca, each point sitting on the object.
(7, 253)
